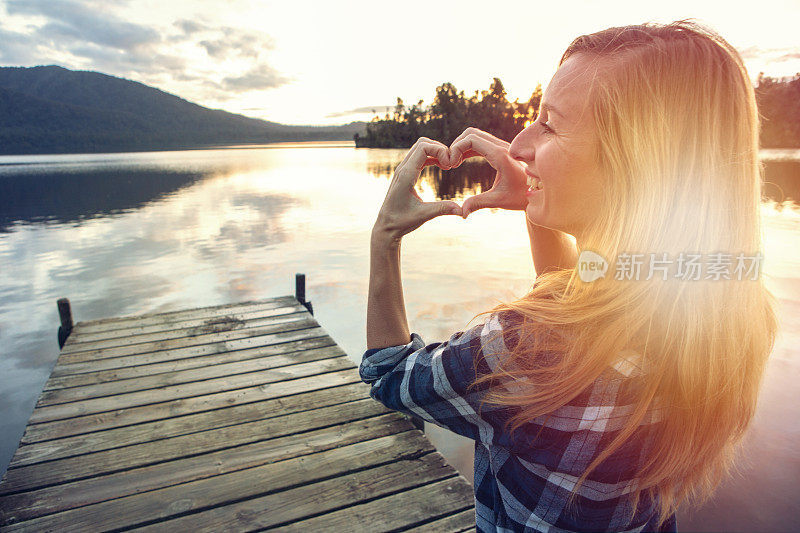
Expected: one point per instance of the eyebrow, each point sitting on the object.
(551, 109)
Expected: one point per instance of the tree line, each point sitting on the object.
(449, 114)
(778, 101)
(779, 107)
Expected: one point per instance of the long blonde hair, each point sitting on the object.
(678, 130)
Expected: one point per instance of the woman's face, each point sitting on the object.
(560, 149)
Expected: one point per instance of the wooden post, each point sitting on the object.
(300, 287)
(300, 291)
(65, 313)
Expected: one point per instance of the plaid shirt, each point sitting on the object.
(521, 485)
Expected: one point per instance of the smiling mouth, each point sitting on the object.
(534, 183)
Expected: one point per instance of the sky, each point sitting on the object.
(324, 62)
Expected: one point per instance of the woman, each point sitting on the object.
(600, 404)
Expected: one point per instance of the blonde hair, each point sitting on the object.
(678, 129)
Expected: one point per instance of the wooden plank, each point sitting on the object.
(115, 460)
(86, 335)
(308, 500)
(282, 323)
(188, 390)
(210, 327)
(91, 439)
(209, 402)
(294, 322)
(170, 501)
(57, 498)
(214, 348)
(289, 351)
(149, 319)
(404, 509)
(455, 523)
(73, 394)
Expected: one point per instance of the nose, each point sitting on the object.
(522, 147)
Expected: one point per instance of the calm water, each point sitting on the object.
(123, 234)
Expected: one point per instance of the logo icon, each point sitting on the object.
(591, 266)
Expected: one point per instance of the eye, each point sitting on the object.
(546, 128)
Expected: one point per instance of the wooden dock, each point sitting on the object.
(228, 418)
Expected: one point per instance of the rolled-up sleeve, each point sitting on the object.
(431, 381)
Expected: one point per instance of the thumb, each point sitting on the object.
(444, 207)
(479, 201)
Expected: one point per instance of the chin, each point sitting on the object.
(534, 216)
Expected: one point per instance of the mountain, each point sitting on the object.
(51, 109)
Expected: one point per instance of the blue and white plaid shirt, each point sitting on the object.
(521, 484)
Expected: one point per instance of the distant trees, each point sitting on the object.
(451, 112)
(779, 107)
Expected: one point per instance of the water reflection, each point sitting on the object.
(70, 196)
(471, 177)
(782, 181)
(67, 195)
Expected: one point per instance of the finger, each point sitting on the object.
(488, 136)
(478, 145)
(417, 157)
(445, 207)
(421, 140)
(433, 161)
(479, 201)
(454, 162)
(468, 154)
(428, 162)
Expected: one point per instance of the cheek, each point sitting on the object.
(575, 169)
(556, 168)
(550, 163)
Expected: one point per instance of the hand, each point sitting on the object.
(510, 182)
(403, 210)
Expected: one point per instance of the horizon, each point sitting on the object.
(282, 64)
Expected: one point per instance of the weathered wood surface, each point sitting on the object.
(230, 418)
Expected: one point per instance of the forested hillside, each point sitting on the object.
(53, 109)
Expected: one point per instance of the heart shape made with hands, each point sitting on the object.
(510, 182)
(404, 211)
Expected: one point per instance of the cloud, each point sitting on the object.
(214, 48)
(18, 47)
(149, 62)
(237, 42)
(190, 26)
(224, 41)
(244, 46)
(191, 57)
(260, 77)
(750, 52)
(374, 109)
(770, 55)
(71, 20)
(788, 57)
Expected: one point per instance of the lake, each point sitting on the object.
(132, 233)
